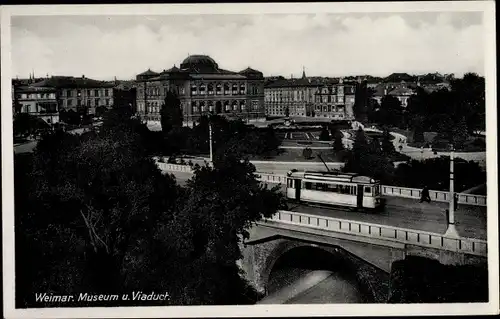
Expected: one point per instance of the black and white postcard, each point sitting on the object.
(272, 159)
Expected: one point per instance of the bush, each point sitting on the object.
(307, 153)
(423, 280)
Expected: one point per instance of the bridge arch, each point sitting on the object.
(311, 256)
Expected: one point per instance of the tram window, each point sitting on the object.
(308, 185)
(320, 186)
(332, 188)
(368, 189)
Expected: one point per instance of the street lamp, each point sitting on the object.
(451, 231)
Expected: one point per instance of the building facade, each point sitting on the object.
(82, 95)
(203, 88)
(335, 101)
(39, 102)
(307, 97)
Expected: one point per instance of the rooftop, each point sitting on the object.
(200, 67)
(69, 82)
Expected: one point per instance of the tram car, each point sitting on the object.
(335, 189)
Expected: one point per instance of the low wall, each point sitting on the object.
(406, 236)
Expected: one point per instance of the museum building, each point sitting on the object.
(202, 88)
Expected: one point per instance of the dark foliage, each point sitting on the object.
(95, 215)
(435, 174)
(338, 145)
(422, 280)
(366, 159)
(307, 153)
(324, 135)
(171, 112)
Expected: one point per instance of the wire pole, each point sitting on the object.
(451, 231)
(210, 141)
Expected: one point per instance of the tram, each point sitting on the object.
(349, 190)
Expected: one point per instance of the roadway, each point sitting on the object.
(313, 287)
(401, 212)
(281, 168)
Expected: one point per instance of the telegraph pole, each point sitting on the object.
(451, 231)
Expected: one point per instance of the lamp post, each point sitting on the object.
(451, 231)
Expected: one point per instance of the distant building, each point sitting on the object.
(402, 91)
(39, 102)
(310, 97)
(293, 97)
(203, 88)
(82, 94)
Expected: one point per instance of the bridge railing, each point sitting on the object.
(271, 178)
(439, 196)
(387, 190)
(174, 167)
(396, 234)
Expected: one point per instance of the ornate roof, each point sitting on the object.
(199, 64)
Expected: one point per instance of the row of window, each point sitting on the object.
(197, 107)
(334, 188)
(94, 93)
(89, 102)
(317, 98)
(29, 108)
(329, 108)
(225, 89)
(33, 96)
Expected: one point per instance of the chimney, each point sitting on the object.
(83, 76)
(385, 91)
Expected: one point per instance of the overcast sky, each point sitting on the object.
(102, 47)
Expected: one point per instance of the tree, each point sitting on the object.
(459, 134)
(374, 146)
(470, 101)
(171, 112)
(23, 124)
(222, 203)
(387, 145)
(95, 212)
(324, 135)
(287, 111)
(362, 96)
(390, 111)
(338, 145)
(364, 160)
(93, 203)
(72, 117)
(307, 153)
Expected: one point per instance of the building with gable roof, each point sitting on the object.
(40, 102)
(310, 97)
(203, 88)
(402, 91)
(79, 94)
